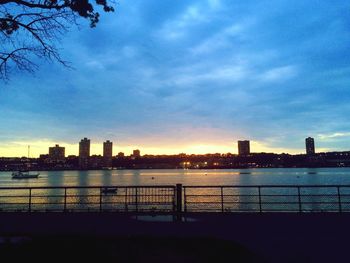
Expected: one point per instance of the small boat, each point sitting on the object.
(24, 175)
(107, 190)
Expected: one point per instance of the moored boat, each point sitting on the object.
(107, 190)
(24, 175)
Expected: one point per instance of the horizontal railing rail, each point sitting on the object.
(177, 199)
(160, 198)
(267, 198)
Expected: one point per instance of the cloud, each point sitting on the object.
(279, 74)
(214, 3)
(175, 29)
(265, 71)
(332, 136)
(226, 38)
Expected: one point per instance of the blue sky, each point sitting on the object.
(191, 76)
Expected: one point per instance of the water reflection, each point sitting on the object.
(185, 177)
(245, 199)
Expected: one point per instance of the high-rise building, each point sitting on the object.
(84, 153)
(136, 153)
(107, 153)
(244, 147)
(57, 153)
(310, 145)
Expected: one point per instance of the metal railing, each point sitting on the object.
(90, 198)
(178, 199)
(267, 198)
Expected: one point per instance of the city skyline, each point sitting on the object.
(194, 78)
(240, 147)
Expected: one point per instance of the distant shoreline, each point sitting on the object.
(190, 169)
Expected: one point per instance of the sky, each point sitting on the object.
(190, 76)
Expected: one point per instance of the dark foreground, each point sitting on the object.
(200, 238)
(126, 249)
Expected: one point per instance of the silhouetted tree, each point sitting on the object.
(31, 28)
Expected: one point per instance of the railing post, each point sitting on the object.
(30, 200)
(178, 201)
(299, 199)
(185, 200)
(222, 199)
(65, 200)
(260, 206)
(126, 199)
(339, 199)
(136, 200)
(100, 199)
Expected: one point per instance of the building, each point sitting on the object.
(84, 153)
(244, 147)
(310, 146)
(96, 161)
(57, 154)
(107, 153)
(121, 155)
(136, 153)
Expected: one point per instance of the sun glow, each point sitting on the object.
(20, 148)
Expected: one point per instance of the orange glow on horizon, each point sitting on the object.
(19, 149)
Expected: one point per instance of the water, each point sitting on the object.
(274, 176)
(197, 199)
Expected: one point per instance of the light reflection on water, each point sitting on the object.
(300, 176)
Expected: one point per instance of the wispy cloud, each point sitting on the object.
(332, 136)
(177, 28)
(278, 74)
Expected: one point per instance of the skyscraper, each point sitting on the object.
(107, 153)
(310, 145)
(57, 153)
(84, 153)
(244, 147)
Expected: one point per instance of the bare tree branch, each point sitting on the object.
(30, 29)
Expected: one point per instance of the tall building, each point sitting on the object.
(107, 153)
(310, 145)
(244, 147)
(136, 153)
(84, 153)
(57, 153)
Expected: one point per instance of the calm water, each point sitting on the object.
(276, 176)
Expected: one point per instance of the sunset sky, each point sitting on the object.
(190, 76)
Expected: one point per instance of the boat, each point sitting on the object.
(107, 190)
(24, 175)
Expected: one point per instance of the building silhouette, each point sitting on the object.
(56, 154)
(107, 153)
(310, 146)
(244, 147)
(84, 153)
(136, 153)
